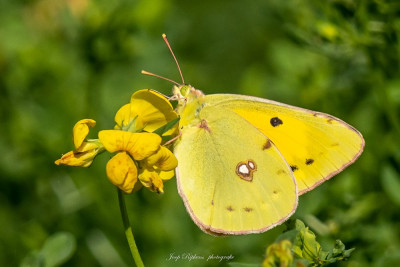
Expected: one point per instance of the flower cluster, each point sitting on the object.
(136, 139)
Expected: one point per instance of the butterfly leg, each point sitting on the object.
(173, 139)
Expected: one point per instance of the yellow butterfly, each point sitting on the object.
(243, 161)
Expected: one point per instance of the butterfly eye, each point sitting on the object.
(184, 90)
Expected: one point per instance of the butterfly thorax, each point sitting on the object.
(190, 103)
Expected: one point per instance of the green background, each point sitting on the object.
(62, 61)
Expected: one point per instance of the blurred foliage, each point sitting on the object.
(298, 246)
(64, 60)
(57, 249)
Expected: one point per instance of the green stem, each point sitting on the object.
(128, 230)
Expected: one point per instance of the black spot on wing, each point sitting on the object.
(229, 208)
(309, 161)
(294, 168)
(247, 209)
(267, 144)
(275, 121)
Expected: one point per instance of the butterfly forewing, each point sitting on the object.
(316, 145)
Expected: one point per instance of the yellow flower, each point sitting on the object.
(138, 145)
(85, 150)
(140, 155)
(327, 30)
(157, 168)
(279, 254)
(147, 111)
(122, 172)
(146, 149)
(81, 130)
(163, 159)
(150, 179)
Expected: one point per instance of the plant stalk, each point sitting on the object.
(128, 230)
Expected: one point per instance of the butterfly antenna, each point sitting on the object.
(176, 61)
(158, 76)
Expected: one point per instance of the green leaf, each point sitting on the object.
(307, 243)
(391, 183)
(34, 259)
(160, 131)
(58, 248)
(339, 248)
(289, 235)
(339, 253)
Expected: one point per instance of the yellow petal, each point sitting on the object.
(163, 159)
(153, 110)
(77, 159)
(124, 117)
(122, 172)
(139, 145)
(151, 180)
(87, 146)
(81, 130)
(279, 254)
(166, 175)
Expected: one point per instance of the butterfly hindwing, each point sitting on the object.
(316, 145)
(231, 177)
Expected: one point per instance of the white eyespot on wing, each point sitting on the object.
(245, 170)
(251, 165)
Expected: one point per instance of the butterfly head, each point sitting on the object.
(190, 102)
(186, 92)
